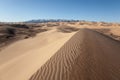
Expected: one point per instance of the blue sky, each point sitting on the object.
(91, 10)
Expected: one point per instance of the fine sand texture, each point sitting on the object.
(88, 55)
(22, 59)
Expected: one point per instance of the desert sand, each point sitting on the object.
(60, 51)
(115, 31)
(22, 59)
(88, 55)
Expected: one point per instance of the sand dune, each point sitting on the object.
(115, 31)
(22, 59)
(88, 55)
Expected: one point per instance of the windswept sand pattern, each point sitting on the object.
(88, 55)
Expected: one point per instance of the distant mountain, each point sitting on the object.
(50, 20)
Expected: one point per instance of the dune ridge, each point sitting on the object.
(95, 57)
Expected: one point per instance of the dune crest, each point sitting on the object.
(88, 55)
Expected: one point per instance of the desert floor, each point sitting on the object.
(60, 51)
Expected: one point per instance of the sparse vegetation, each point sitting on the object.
(67, 29)
(20, 26)
(12, 32)
(106, 24)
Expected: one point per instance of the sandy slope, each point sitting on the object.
(21, 59)
(115, 31)
(88, 55)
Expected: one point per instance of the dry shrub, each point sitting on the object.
(106, 24)
(67, 29)
(20, 26)
(51, 25)
(11, 32)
